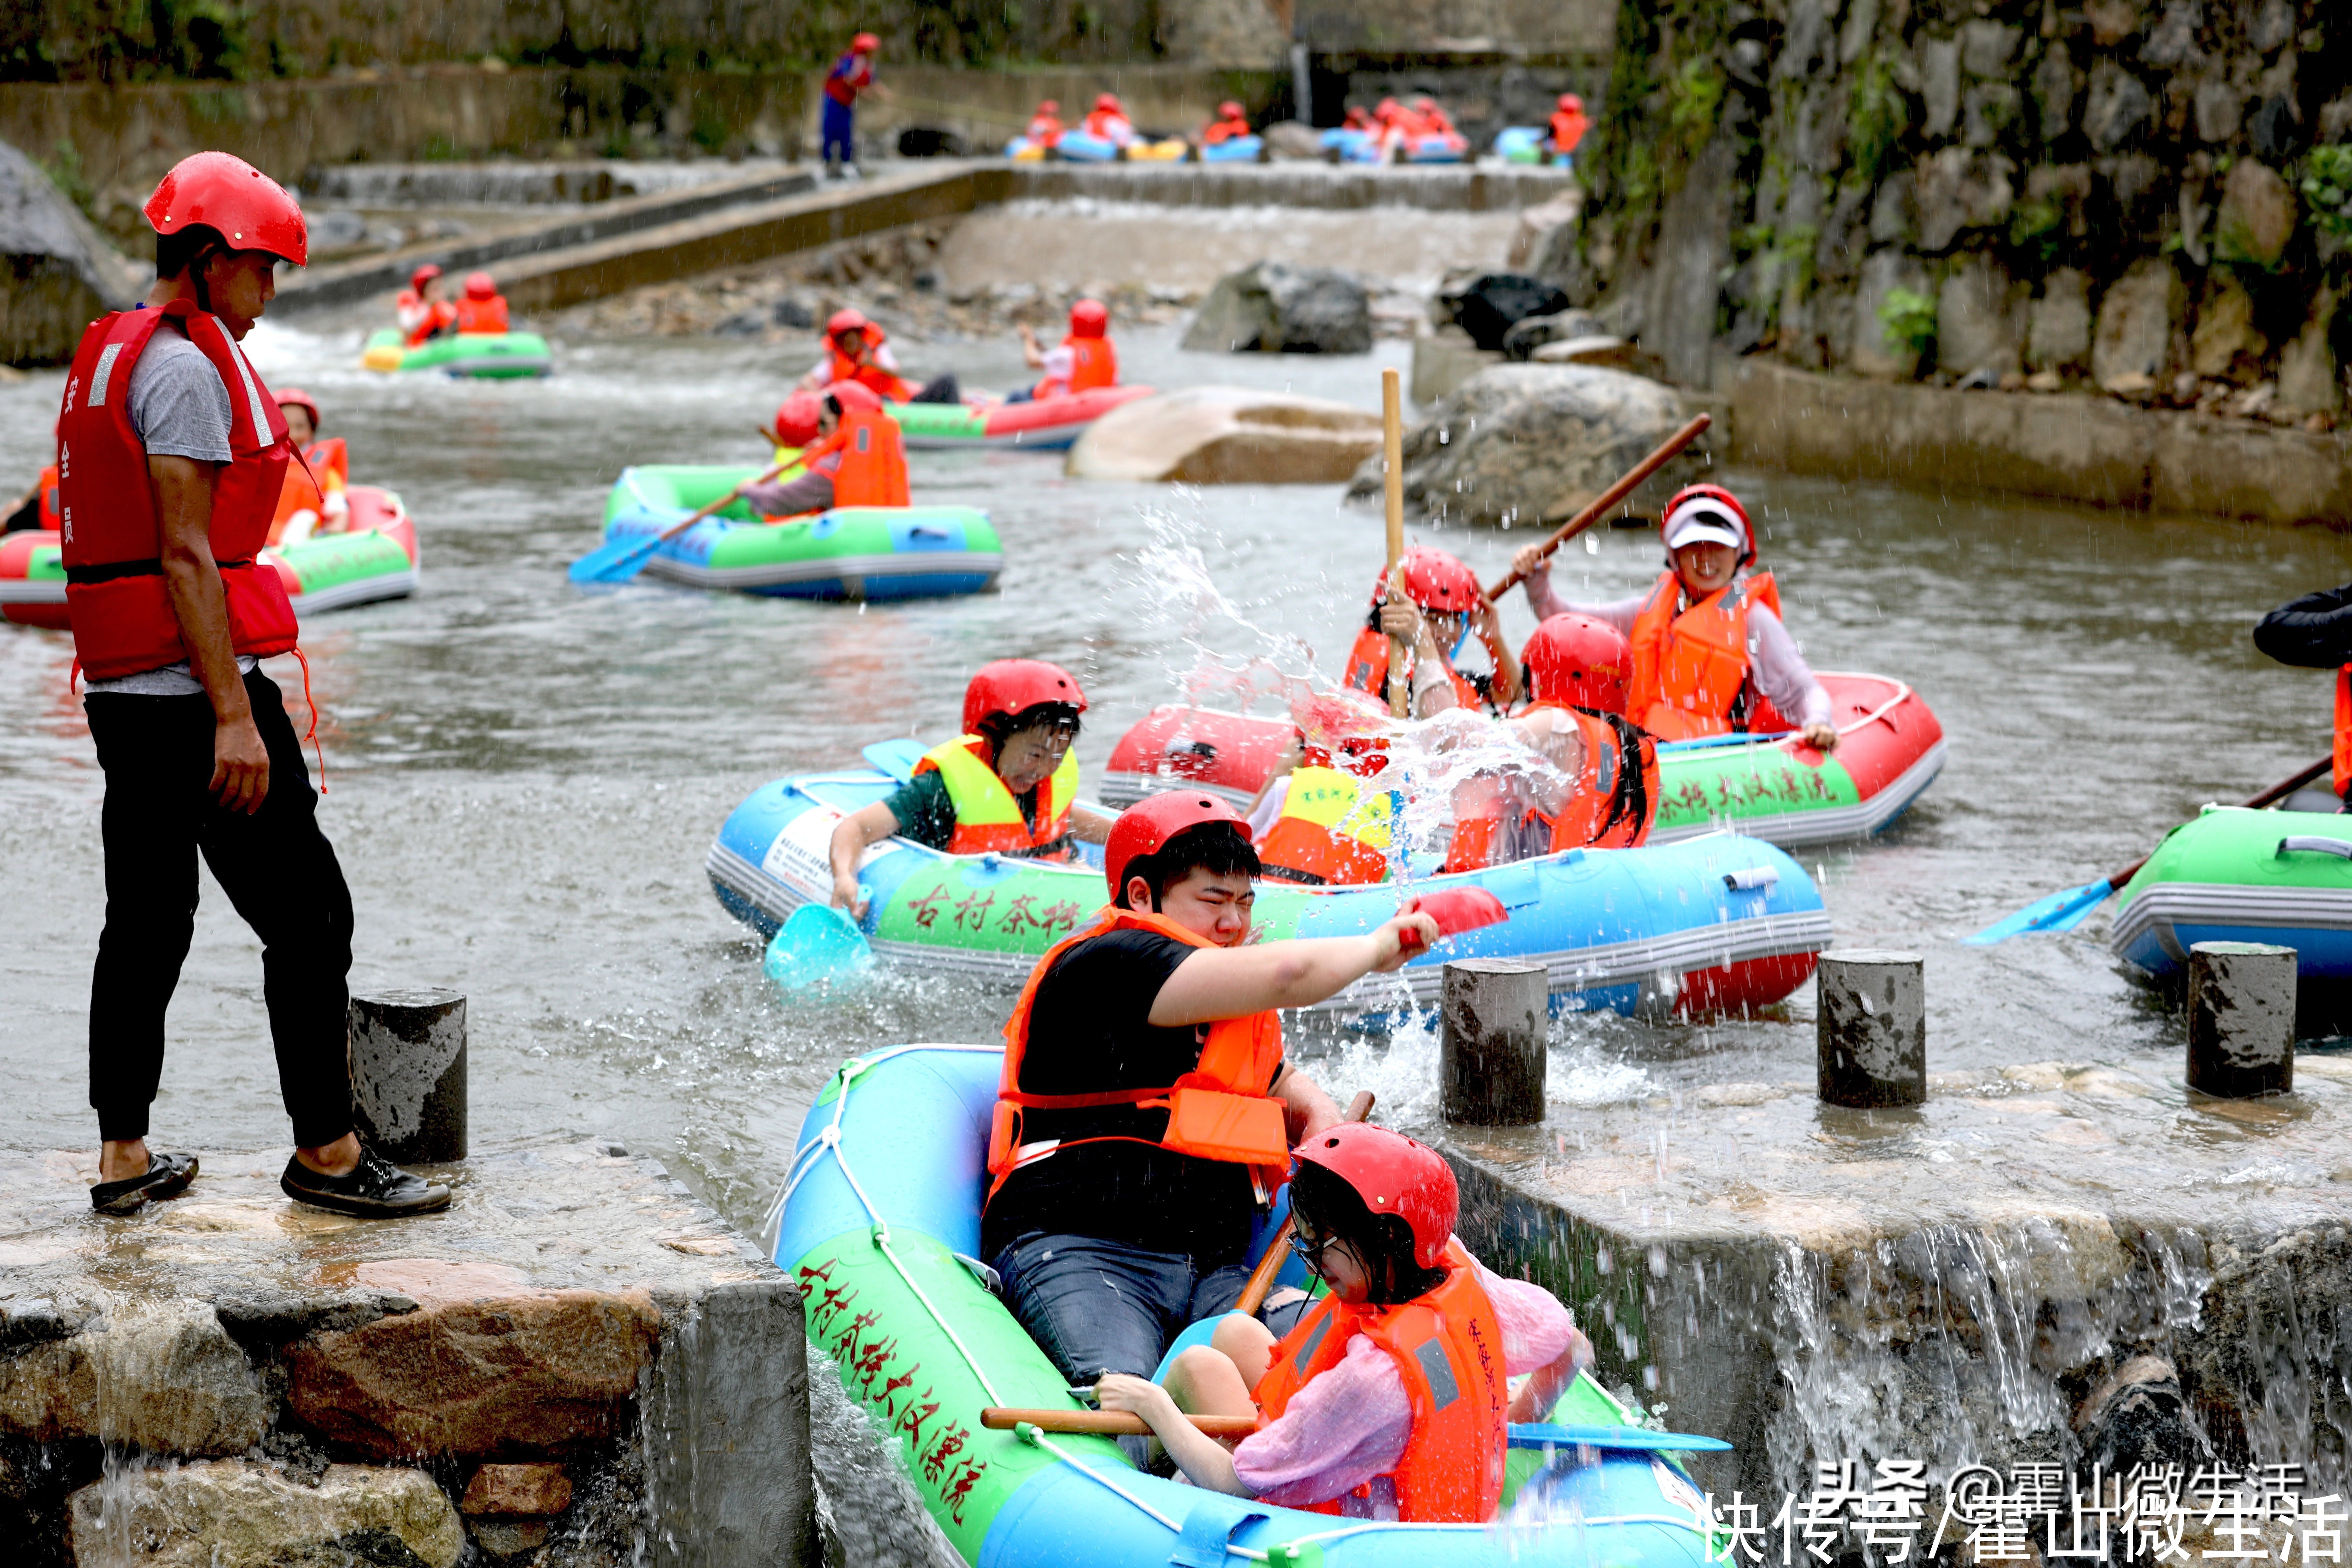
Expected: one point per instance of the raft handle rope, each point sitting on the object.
(1902, 695)
(2338, 847)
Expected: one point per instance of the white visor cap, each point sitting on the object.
(1701, 520)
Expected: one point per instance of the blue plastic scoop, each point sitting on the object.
(818, 943)
(1542, 1435)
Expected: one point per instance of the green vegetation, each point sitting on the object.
(1910, 321)
(1878, 114)
(2036, 230)
(1694, 103)
(2327, 188)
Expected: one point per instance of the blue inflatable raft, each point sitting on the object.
(1715, 923)
(879, 1226)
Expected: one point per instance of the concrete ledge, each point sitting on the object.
(1454, 188)
(2093, 450)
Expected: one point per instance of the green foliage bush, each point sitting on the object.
(1910, 321)
(2327, 188)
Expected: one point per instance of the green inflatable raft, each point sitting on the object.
(487, 356)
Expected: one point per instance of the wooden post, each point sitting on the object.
(2240, 1019)
(1872, 1027)
(1491, 1063)
(1392, 450)
(408, 1073)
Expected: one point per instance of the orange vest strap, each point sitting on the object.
(2343, 774)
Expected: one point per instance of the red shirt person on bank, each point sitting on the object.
(171, 457)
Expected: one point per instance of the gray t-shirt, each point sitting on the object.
(180, 409)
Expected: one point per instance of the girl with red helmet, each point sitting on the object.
(316, 498)
(1709, 653)
(420, 310)
(1084, 361)
(1442, 604)
(1347, 1420)
(1007, 784)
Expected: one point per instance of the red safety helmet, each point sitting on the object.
(796, 419)
(1392, 1174)
(864, 44)
(424, 274)
(1047, 106)
(480, 286)
(1572, 104)
(1436, 581)
(1579, 661)
(221, 191)
(1229, 110)
(295, 397)
(1109, 100)
(857, 394)
(846, 321)
(1089, 319)
(1147, 827)
(1013, 686)
(1713, 503)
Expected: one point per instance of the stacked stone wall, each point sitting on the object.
(2152, 198)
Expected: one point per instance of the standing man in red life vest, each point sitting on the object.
(1568, 126)
(1009, 783)
(852, 74)
(2315, 632)
(1442, 602)
(1085, 361)
(1710, 654)
(172, 458)
(1146, 1113)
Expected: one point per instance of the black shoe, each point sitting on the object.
(375, 1189)
(167, 1176)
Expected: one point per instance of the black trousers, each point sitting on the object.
(277, 869)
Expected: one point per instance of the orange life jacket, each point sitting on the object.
(1219, 1110)
(1613, 807)
(1045, 130)
(885, 384)
(1225, 130)
(1567, 129)
(483, 315)
(1367, 671)
(325, 469)
(987, 816)
(1328, 832)
(872, 470)
(1691, 671)
(2342, 777)
(1109, 125)
(1447, 1346)
(1093, 362)
(48, 490)
(439, 316)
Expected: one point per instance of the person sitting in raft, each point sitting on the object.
(37, 507)
(858, 457)
(483, 310)
(1443, 601)
(1007, 785)
(1567, 129)
(313, 497)
(1107, 122)
(1084, 361)
(1146, 1113)
(1045, 126)
(1601, 789)
(2315, 632)
(1351, 1420)
(1710, 654)
(1230, 124)
(856, 350)
(422, 312)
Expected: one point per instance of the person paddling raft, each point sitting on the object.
(1146, 1111)
(1085, 361)
(851, 455)
(1390, 1399)
(1442, 602)
(1007, 785)
(315, 498)
(2315, 632)
(1710, 655)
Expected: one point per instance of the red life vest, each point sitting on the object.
(482, 315)
(326, 465)
(873, 455)
(885, 384)
(1612, 807)
(1045, 130)
(1691, 670)
(1567, 129)
(1219, 1110)
(1225, 129)
(1367, 671)
(1093, 362)
(2343, 776)
(48, 490)
(121, 616)
(1109, 125)
(1447, 1346)
(439, 316)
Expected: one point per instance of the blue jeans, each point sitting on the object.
(840, 130)
(1100, 1306)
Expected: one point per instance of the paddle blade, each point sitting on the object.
(819, 943)
(615, 561)
(2061, 911)
(1542, 1435)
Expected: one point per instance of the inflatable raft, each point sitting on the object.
(2234, 874)
(1247, 149)
(491, 356)
(1890, 748)
(1040, 425)
(1718, 923)
(376, 559)
(849, 553)
(879, 1224)
(1521, 144)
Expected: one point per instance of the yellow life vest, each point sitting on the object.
(987, 817)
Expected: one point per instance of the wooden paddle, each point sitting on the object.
(1393, 447)
(1261, 1280)
(2070, 907)
(622, 559)
(1608, 498)
(1107, 1423)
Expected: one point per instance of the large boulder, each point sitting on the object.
(1530, 443)
(240, 1513)
(2134, 341)
(1227, 436)
(1272, 307)
(60, 275)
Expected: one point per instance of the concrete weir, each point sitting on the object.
(1957, 1282)
(578, 1355)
